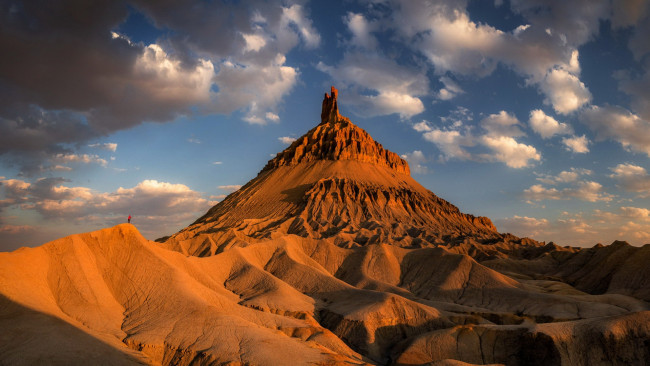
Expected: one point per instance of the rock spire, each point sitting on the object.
(330, 112)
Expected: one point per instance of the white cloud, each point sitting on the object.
(635, 212)
(582, 190)
(452, 42)
(52, 199)
(286, 140)
(217, 163)
(416, 160)
(110, 146)
(194, 140)
(451, 89)
(164, 78)
(79, 158)
(500, 130)
(564, 91)
(509, 151)
(361, 30)
(422, 126)
(620, 125)
(451, 143)
(230, 187)
(257, 88)
(546, 126)
(254, 42)
(391, 88)
(272, 117)
(577, 144)
(388, 102)
(566, 176)
(632, 178)
(502, 124)
(296, 16)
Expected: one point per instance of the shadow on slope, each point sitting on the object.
(30, 337)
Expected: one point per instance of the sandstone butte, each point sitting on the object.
(332, 255)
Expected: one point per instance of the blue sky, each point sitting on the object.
(533, 113)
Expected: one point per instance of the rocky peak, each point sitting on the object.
(336, 138)
(330, 112)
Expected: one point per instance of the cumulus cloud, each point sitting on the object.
(540, 51)
(255, 88)
(422, 126)
(450, 90)
(576, 144)
(375, 85)
(620, 125)
(97, 81)
(230, 187)
(564, 91)
(416, 160)
(583, 190)
(632, 178)
(507, 150)
(547, 126)
(361, 30)
(455, 141)
(502, 124)
(51, 198)
(110, 146)
(286, 140)
(451, 143)
(566, 176)
(79, 158)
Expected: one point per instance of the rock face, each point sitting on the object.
(335, 182)
(332, 255)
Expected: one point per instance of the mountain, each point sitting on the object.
(337, 183)
(332, 255)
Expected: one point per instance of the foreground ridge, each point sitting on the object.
(112, 297)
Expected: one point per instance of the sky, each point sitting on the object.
(533, 113)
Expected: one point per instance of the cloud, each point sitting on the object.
(577, 144)
(566, 176)
(539, 50)
(79, 158)
(256, 88)
(451, 89)
(416, 160)
(230, 187)
(546, 126)
(110, 146)
(616, 123)
(632, 178)
(295, 15)
(509, 151)
(583, 190)
(217, 163)
(451, 143)
(375, 85)
(361, 30)
(564, 91)
(286, 139)
(502, 124)
(422, 126)
(454, 142)
(211, 57)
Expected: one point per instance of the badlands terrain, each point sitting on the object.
(332, 255)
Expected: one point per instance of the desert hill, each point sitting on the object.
(332, 255)
(336, 183)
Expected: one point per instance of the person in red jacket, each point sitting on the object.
(129, 219)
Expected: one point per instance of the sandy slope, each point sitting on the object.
(113, 296)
